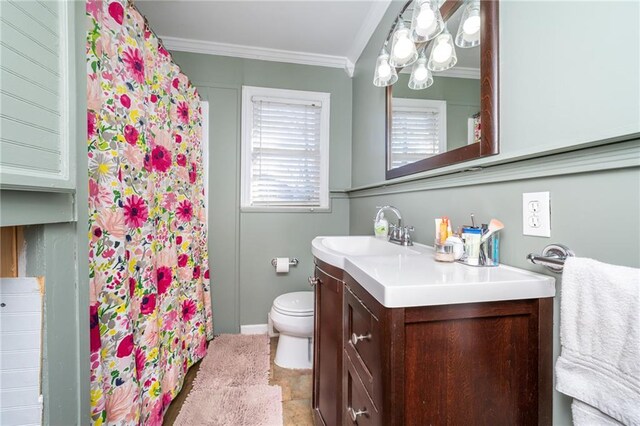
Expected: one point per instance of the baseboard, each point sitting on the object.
(254, 329)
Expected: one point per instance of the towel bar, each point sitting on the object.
(553, 257)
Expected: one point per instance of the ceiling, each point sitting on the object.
(317, 32)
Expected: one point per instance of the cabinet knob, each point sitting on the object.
(354, 414)
(355, 338)
(313, 281)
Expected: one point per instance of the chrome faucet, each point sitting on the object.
(398, 234)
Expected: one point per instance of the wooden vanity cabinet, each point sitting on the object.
(467, 364)
(327, 345)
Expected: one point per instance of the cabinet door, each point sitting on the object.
(327, 367)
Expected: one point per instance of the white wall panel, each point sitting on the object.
(20, 351)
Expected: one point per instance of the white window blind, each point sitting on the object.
(418, 130)
(285, 151)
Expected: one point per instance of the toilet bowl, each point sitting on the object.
(292, 315)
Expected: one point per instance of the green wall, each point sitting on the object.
(242, 244)
(463, 100)
(561, 84)
(562, 89)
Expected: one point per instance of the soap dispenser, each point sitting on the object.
(381, 227)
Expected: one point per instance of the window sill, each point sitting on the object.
(246, 209)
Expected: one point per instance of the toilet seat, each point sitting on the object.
(296, 304)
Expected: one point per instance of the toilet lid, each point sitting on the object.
(296, 303)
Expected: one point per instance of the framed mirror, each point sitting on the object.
(455, 119)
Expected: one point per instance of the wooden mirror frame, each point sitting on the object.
(489, 99)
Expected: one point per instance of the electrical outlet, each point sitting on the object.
(536, 214)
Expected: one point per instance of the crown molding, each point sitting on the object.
(260, 53)
(369, 24)
(455, 72)
(460, 72)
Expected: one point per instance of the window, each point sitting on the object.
(418, 130)
(285, 149)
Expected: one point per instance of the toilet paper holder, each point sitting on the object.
(292, 262)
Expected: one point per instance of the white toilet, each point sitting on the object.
(292, 316)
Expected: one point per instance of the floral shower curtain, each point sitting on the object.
(150, 308)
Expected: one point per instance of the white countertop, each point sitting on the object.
(399, 276)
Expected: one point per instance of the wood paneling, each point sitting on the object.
(366, 354)
(8, 252)
(474, 372)
(327, 354)
(357, 401)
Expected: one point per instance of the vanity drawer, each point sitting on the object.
(358, 408)
(362, 343)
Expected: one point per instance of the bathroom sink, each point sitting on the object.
(333, 250)
(398, 276)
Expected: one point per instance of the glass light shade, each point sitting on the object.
(469, 29)
(403, 49)
(443, 53)
(385, 74)
(426, 22)
(421, 77)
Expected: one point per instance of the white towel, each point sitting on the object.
(586, 415)
(600, 336)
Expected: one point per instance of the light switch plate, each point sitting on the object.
(536, 214)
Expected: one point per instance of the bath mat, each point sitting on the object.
(235, 360)
(252, 405)
(231, 387)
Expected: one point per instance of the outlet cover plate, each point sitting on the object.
(536, 214)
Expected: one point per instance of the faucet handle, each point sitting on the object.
(406, 236)
(395, 232)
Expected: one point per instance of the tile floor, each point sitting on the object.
(296, 387)
(296, 393)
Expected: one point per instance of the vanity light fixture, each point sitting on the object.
(385, 74)
(403, 49)
(426, 22)
(421, 76)
(428, 30)
(469, 29)
(443, 53)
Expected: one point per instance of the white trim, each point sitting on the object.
(455, 72)
(369, 24)
(248, 93)
(254, 329)
(259, 53)
(349, 68)
(460, 72)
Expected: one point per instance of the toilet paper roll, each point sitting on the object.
(282, 265)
